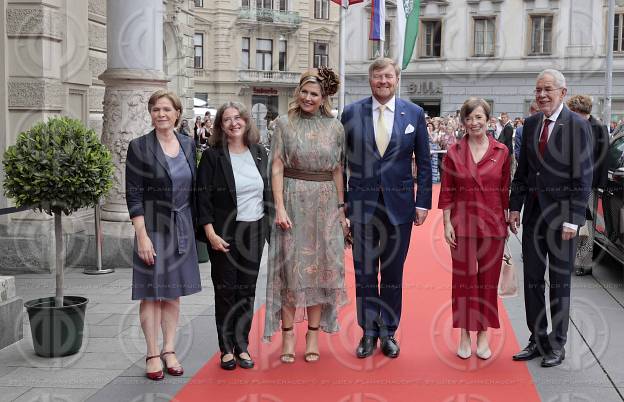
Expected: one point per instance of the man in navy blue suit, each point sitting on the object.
(552, 182)
(383, 134)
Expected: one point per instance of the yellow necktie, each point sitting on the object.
(381, 138)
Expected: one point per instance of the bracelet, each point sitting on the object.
(341, 205)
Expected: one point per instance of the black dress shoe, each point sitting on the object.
(366, 347)
(528, 353)
(228, 365)
(553, 358)
(390, 347)
(244, 363)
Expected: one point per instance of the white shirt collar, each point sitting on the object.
(553, 117)
(389, 105)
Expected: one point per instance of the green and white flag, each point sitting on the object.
(408, 12)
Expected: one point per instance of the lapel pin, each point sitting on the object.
(402, 113)
(493, 160)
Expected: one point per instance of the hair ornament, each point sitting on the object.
(329, 80)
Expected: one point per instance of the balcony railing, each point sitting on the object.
(291, 18)
(202, 74)
(283, 77)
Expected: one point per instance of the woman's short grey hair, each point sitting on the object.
(560, 80)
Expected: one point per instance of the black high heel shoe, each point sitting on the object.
(230, 364)
(245, 363)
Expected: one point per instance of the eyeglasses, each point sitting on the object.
(539, 91)
(231, 120)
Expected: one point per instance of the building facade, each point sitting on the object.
(55, 59)
(253, 51)
(53, 52)
(494, 49)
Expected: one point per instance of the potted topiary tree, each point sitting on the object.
(57, 167)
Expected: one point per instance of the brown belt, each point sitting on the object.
(308, 176)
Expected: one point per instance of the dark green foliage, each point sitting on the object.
(57, 166)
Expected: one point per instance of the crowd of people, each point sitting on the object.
(330, 183)
(201, 131)
(447, 130)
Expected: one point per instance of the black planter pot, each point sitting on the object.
(57, 331)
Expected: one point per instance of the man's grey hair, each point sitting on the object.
(560, 80)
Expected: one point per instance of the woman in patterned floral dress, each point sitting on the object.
(306, 252)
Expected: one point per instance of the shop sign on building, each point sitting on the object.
(264, 91)
(424, 87)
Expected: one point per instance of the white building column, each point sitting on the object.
(134, 71)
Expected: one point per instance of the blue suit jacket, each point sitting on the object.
(369, 172)
(560, 181)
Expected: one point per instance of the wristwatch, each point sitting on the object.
(341, 205)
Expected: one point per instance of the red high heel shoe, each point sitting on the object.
(154, 375)
(174, 371)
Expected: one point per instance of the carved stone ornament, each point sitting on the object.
(125, 117)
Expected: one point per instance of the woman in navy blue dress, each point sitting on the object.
(160, 176)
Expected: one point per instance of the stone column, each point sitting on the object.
(134, 71)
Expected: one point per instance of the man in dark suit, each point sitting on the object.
(552, 182)
(506, 135)
(383, 134)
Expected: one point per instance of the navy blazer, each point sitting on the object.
(560, 181)
(216, 190)
(369, 172)
(148, 181)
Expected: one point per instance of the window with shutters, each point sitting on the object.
(540, 34)
(431, 38)
(321, 54)
(321, 9)
(245, 53)
(484, 34)
(264, 54)
(198, 42)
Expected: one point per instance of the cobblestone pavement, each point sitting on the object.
(110, 365)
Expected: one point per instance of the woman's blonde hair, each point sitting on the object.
(310, 76)
(218, 137)
(580, 104)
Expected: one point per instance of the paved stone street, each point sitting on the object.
(110, 366)
(113, 346)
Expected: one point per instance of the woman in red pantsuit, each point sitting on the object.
(475, 200)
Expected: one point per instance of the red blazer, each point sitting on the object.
(476, 193)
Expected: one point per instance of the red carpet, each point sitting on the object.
(427, 369)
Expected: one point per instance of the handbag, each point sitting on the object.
(508, 279)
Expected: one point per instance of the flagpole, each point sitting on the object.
(606, 113)
(341, 61)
